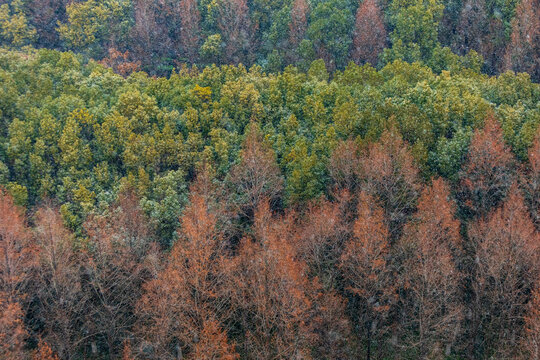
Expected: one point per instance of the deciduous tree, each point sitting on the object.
(122, 257)
(369, 37)
(12, 331)
(57, 284)
(271, 287)
(432, 282)
(257, 177)
(522, 52)
(320, 241)
(344, 166)
(531, 181)
(388, 173)
(506, 267)
(16, 252)
(44, 352)
(365, 269)
(184, 306)
(15, 271)
(190, 28)
(120, 62)
(299, 22)
(235, 25)
(488, 171)
(532, 325)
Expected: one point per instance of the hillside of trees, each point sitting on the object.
(269, 179)
(159, 35)
(227, 213)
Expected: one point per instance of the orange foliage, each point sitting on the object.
(213, 344)
(179, 306)
(369, 37)
(44, 352)
(299, 21)
(430, 276)
(120, 63)
(488, 171)
(12, 331)
(389, 174)
(364, 267)
(507, 253)
(15, 268)
(15, 249)
(270, 292)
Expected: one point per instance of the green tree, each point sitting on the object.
(415, 30)
(15, 29)
(330, 27)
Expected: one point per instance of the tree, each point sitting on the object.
(44, 16)
(389, 175)
(330, 31)
(493, 48)
(58, 286)
(183, 308)
(270, 292)
(532, 325)
(299, 22)
(120, 62)
(214, 344)
(369, 37)
(16, 251)
(472, 27)
(320, 241)
(14, 27)
(344, 165)
(190, 31)
(531, 181)
(522, 52)
(369, 278)
(122, 257)
(506, 252)
(488, 171)
(149, 34)
(15, 271)
(415, 33)
(85, 26)
(235, 26)
(257, 177)
(432, 282)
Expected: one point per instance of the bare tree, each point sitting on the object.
(430, 276)
(507, 250)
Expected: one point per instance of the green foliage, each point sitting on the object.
(414, 37)
(330, 30)
(91, 22)
(212, 48)
(15, 29)
(79, 133)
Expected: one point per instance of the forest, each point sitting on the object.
(269, 179)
